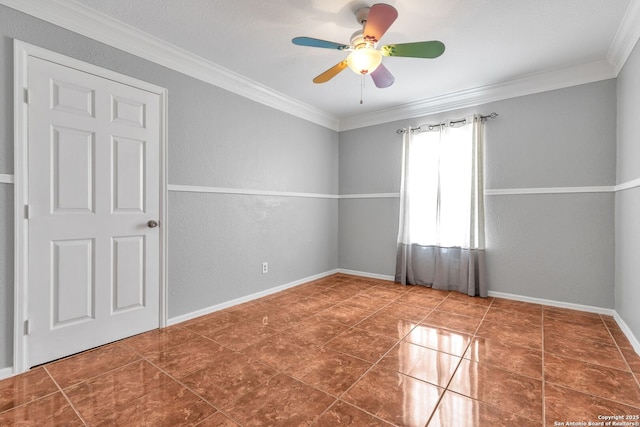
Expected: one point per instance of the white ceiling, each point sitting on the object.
(487, 42)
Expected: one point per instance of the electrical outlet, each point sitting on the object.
(265, 267)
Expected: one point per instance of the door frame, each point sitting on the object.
(21, 53)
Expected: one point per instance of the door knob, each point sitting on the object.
(152, 223)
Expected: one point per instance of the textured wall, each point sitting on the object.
(222, 261)
(367, 235)
(627, 209)
(557, 247)
(552, 246)
(216, 242)
(561, 138)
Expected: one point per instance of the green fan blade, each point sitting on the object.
(431, 49)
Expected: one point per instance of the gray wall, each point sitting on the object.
(627, 208)
(558, 247)
(217, 242)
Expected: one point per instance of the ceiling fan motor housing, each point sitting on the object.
(358, 41)
(362, 14)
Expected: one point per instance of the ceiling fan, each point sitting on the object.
(364, 57)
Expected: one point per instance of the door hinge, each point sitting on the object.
(26, 327)
(27, 212)
(26, 95)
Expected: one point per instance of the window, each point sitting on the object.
(441, 227)
(440, 172)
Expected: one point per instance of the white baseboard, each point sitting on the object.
(553, 303)
(627, 331)
(6, 372)
(231, 303)
(365, 274)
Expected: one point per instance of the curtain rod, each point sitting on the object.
(450, 122)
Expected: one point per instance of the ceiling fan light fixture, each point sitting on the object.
(364, 60)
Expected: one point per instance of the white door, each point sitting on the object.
(93, 194)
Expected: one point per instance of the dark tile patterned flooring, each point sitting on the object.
(346, 350)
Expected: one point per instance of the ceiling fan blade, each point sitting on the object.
(380, 18)
(308, 41)
(382, 77)
(331, 72)
(431, 49)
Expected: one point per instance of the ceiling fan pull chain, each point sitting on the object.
(361, 87)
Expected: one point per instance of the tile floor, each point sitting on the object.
(346, 351)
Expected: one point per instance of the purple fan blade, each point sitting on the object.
(382, 77)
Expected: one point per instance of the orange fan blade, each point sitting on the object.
(380, 18)
(331, 72)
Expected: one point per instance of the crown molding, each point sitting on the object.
(526, 85)
(85, 21)
(626, 37)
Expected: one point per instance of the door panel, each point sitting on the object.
(73, 282)
(128, 175)
(72, 178)
(129, 112)
(128, 273)
(94, 183)
(72, 98)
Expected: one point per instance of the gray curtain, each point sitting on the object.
(441, 226)
(457, 269)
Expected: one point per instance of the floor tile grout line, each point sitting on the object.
(586, 393)
(372, 367)
(338, 400)
(278, 371)
(141, 359)
(447, 389)
(566, 386)
(461, 358)
(349, 328)
(30, 401)
(180, 383)
(597, 363)
(354, 326)
(121, 342)
(635, 375)
(615, 341)
(224, 412)
(69, 402)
